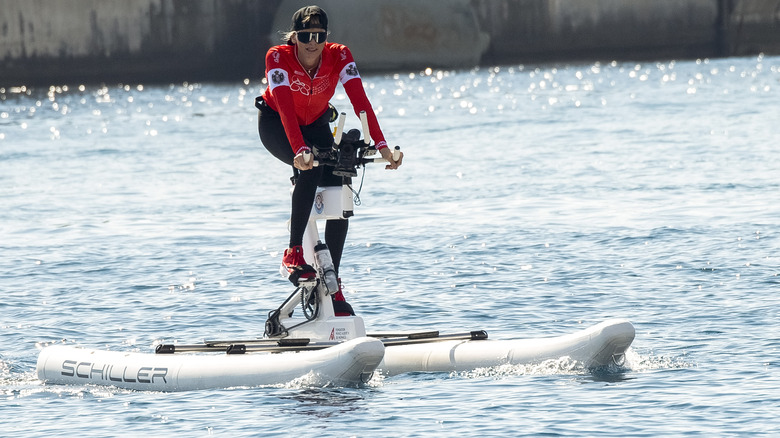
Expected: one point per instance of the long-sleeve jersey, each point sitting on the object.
(300, 99)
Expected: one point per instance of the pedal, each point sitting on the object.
(295, 276)
(297, 281)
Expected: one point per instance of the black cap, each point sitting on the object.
(304, 18)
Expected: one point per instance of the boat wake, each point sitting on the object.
(563, 365)
(633, 362)
(640, 362)
(314, 380)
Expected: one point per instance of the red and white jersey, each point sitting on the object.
(300, 99)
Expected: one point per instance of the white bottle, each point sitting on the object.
(325, 266)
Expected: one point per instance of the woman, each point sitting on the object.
(293, 118)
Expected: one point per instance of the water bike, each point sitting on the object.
(314, 342)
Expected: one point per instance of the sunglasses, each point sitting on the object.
(305, 37)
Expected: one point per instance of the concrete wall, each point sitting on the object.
(131, 40)
(397, 34)
(752, 26)
(65, 41)
(555, 29)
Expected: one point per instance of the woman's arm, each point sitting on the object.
(350, 79)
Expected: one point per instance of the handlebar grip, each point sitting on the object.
(396, 153)
(307, 157)
(364, 122)
(340, 128)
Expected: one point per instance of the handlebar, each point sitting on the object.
(350, 151)
(367, 158)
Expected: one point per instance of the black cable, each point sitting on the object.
(356, 198)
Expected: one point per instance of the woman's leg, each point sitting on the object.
(274, 138)
(302, 199)
(335, 238)
(272, 135)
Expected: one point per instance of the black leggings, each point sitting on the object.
(318, 134)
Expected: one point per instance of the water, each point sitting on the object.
(532, 202)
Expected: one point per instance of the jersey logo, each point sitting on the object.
(277, 77)
(348, 73)
(299, 86)
(276, 57)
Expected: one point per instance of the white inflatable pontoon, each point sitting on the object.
(343, 362)
(347, 363)
(597, 346)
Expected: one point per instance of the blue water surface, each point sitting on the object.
(533, 201)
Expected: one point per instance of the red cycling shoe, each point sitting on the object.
(296, 266)
(340, 305)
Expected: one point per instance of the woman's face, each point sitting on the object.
(311, 49)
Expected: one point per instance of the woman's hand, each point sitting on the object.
(300, 161)
(387, 154)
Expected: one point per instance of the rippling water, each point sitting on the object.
(532, 202)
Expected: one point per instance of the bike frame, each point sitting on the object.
(330, 203)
